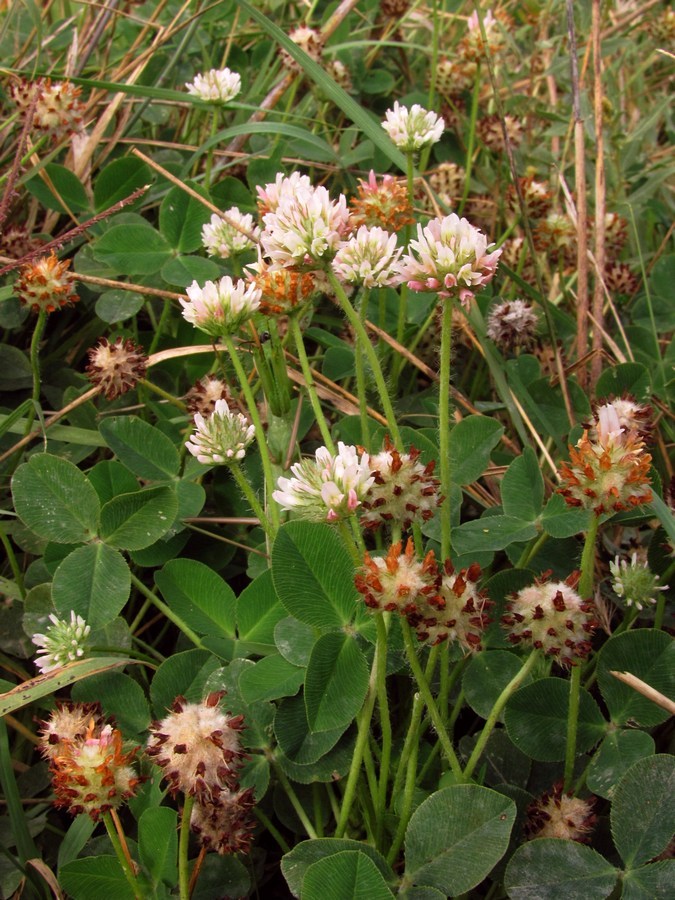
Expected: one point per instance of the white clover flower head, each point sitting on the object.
(369, 258)
(63, 642)
(282, 186)
(634, 582)
(222, 438)
(329, 487)
(451, 257)
(220, 307)
(414, 128)
(229, 234)
(215, 86)
(306, 228)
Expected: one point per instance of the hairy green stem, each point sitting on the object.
(249, 493)
(183, 844)
(121, 856)
(444, 426)
(38, 331)
(295, 802)
(408, 795)
(309, 384)
(165, 395)
(496, 711)
(588, 560)
(167, 611)
(572, 725)
(385, 723)
(361, 376)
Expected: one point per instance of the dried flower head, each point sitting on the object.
(447, 179)
(450, 257)
(63, 642)
(620, 278)
(198, 747)
(329, 487)
(309, 40)
(394, 9)
(535, 194)
(340, 74)
(306, 228)
(91, 773)
(368, 258)
(461, 613)
(68, 721)
(220, 307)
(230, 234)
(512, 325)
(556, 814)
(225, 824)
(58, 109)
(382, 203)
(17, 241)
(398, 581)
(116, 367)
(556, 235)
(634, 582)
(552, 617)
(222, 438)
(215, 86)
(616, 233)
(609, 473)
(490, 132)
(46, 284)
(454, 76)
(282, 288)
(414, 128)
(271, 195)
(405, 491)
(202, 396)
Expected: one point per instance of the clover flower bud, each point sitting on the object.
(552, 617)
(616, 233)
(412, 129)
(220, 307)
(222, 438)
(384, 202)
(556, 235)
(405, 491)
(512, 325)
(454, 76)
(556, 814)
(63, 642)
(46, 284)
(230, 234)
(198, 748)
(225, 824)
(472, 45)
(368, 258)
(329, 487)
(634, 582)
(450, 257)
(215, 86)
(116, 367)
(90, 770)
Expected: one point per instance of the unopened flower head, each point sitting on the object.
(198, 747)
(91, 773)
(405, 490)
(63, 642)
(512, 325)
(414, 128)
(116, 367)
(399, 581)
(215, 86)
(450, 257)
(225, 824)
(222, 438)
(220, 307)
(552, 617)
(58, 109)
(306, 228)
(368, 258)
(383, 202)
(271, 195)
(46, 285)
(232, 233)
(634, 582)
(328, 487)
(609, 473)
(556, 814)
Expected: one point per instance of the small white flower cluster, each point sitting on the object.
(215, 86)
(229, 234)
(369, 258)
(222, 438)
(413, 129)
(634, 582)
(329, 487)
(220, 307)
(63, 642)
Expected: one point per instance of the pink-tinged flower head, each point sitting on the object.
(383, 202)
(329, 487)
(215, 86)
(368, 258)
(450, 257)
(414, 128)
(306, 228)
(220, 307)
(472, 46)
(222, 438)
(229, 234)
(271, 195)
(552, 617)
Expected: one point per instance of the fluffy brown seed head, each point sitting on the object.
(116, 367)
(556, 814)
(225, 824)
(204, 393)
